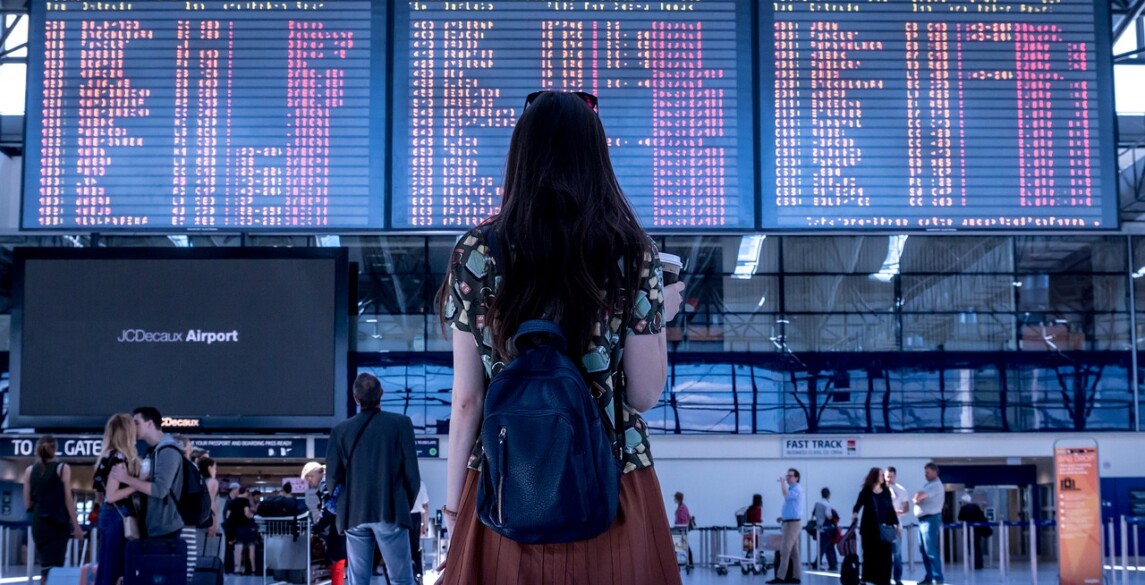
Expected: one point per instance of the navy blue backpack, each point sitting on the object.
(549, 474)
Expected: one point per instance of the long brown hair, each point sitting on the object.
(874, 477)
(571, 245)
(46, 449)
(119, 435)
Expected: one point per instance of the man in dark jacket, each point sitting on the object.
(972, 513)
(372, 455)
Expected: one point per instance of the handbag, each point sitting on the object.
(130, 524)
(888, 532)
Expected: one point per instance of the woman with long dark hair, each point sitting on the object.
(48, 498)
(568, 248)
(118, 449)
(878, 512)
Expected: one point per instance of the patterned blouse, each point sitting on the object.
(473, 279)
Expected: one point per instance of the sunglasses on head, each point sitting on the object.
(587, 97)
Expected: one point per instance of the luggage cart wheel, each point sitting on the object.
(721, 570)
(744, 569)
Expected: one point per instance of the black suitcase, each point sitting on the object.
(156, 561)
(208, 571)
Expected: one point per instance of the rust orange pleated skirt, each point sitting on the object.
(636, 550)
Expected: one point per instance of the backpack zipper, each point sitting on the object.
(501, 478)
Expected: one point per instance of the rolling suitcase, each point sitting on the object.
(208, 571)
(156, 561)
(81, 575)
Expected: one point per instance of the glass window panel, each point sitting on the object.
(1082, 254)
(841, 332)
(957, 292)
(837, 294)
(753, 333)
(963, 331)
(834, 254)
(953, 255)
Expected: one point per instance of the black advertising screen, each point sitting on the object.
(232, 338)
(208, 114)
(674, 80)
(937, 114)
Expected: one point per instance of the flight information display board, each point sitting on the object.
(205, 114)
(674, 80)
(937, 114)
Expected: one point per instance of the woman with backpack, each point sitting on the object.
(119, 520)
(48, 498)
(566, 247)
(878, 527)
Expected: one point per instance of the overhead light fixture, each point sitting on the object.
(890, 267)
(747, 259)
(1139, 273)
(180, 241)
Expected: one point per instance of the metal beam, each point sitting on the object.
(5, 54)
(1131, 16)
(8, 29)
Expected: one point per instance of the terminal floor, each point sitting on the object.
(1019, 575)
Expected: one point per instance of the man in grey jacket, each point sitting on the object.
(157, 479)
(372, 456)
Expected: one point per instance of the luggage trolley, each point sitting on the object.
(680, 543)
(753, 560)
(289, 534)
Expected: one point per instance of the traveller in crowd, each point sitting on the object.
(373, 456)
(208, 538)
(683, 518)
(573, 250)
(232, 493)
(419, 520)
(902, 509)
(119, 508)
(877, 511)
(156, 480)
(827, 525)
(188, 448)
(754, 513)
(240, 525)
(313, 473)
(928, 508)
(324, 520)
(972, 513)
(48, 499)
(791, 521)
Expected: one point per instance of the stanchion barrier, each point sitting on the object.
(967, 544)
(1137, 522)
(713, 543)
(1124, 551)
(1003, 550)
(6, 531)
(1109, 551)
(911, 545)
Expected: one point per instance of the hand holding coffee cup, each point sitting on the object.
(672, 266)
(673, 287)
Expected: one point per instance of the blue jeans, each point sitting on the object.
(896, 556)
(928, 527)
(112, 546)
(392, 540)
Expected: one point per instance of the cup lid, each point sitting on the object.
(666, 258)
